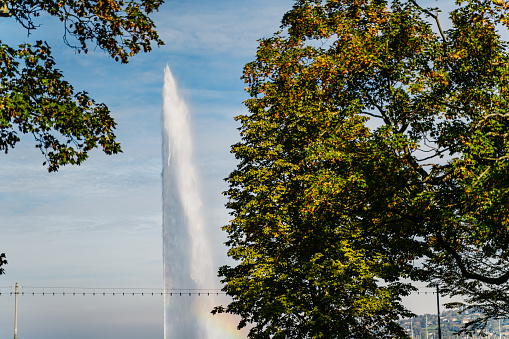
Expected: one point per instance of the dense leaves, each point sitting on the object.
(375, 149)
(34, 98)
(122, 28)
(3, 261)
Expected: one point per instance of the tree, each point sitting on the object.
(375, 149)
(3, 261)
(35, 99)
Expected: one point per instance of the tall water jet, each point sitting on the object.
(186, 254)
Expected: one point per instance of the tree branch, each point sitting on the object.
(373, 115)
(437, 153)
(408, 156)
(434, 16)
(465, 273)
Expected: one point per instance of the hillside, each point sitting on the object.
(450, 323)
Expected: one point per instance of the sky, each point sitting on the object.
(99, 225)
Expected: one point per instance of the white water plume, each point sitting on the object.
(186, 254)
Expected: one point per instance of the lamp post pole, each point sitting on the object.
(438, 310)
(16, 311)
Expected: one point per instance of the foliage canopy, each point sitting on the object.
(3, 261)
(35, 99)
(375, 149)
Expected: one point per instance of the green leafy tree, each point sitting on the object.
(34, 98)
(375, 149)
(3, 261)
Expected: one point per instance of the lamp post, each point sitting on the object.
(438, 310)
(16, 311)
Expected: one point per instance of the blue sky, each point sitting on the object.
(99, 225)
